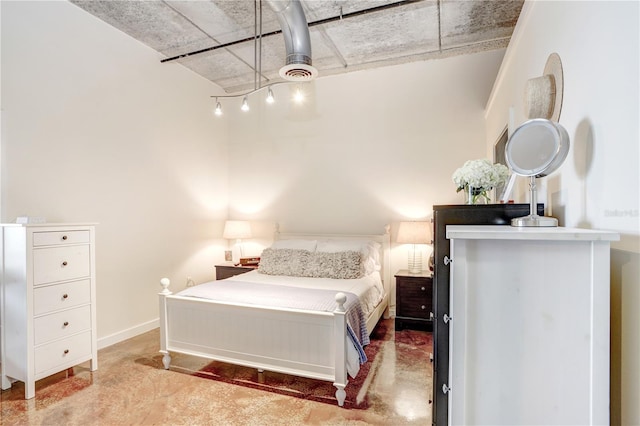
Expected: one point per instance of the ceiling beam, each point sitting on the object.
(310, 24)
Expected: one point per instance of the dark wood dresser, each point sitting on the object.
(489, 214)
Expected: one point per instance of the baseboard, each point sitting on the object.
(120, 336)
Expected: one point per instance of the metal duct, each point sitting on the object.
(296, 40)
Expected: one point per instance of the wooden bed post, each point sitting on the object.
(341, 349)
(166, 359)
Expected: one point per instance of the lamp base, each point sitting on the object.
(415, 261)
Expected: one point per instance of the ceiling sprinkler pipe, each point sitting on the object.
(296, 40)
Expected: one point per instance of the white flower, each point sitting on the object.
(480, 174)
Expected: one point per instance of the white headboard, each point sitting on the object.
(383, 239)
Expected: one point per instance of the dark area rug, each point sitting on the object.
(318, 390)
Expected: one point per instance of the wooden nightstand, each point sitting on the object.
(226, 271)
(414, 300)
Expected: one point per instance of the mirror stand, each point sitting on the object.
(534, 219)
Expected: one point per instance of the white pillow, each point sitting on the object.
(370, 251)
(295, 244)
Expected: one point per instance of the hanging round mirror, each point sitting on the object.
(537, 148)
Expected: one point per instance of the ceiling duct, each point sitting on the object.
(296, 40)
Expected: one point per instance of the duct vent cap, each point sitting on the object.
(298, 72)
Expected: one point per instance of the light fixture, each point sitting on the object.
(237, 230)
(298, 95)
(270, 99)
(414, 233)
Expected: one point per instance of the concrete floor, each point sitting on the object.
(130, 387)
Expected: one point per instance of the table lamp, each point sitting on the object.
(415, 233)
(237, 230)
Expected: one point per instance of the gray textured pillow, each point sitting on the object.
(339, 265)
(290, 262)
(303, 263)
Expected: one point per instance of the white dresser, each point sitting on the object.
(529, 326)
(48, 298)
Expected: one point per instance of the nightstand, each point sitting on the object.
(226, 271)
(414, 300)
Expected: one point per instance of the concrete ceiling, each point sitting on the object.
(371, 33)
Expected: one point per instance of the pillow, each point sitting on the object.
(338, 265)
(290, 262)
(309, 245)
(370, 251)
(303, 263)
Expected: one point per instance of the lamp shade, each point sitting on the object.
(236, 229)
(414, 233)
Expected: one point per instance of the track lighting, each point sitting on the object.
(298, 96)
(270, 99)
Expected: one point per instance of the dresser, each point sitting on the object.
(529, 325)
(48, 298)
(413, 300)
(455, 214)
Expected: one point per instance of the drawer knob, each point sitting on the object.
(66, 351)
(64, 238)
(423, 307)
(64, 263)
(65, 296)
(423, 289)
(66, 323)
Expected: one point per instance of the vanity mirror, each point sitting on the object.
(537, 148)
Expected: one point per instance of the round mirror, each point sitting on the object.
(537, 148)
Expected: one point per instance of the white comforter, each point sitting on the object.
(369, 289)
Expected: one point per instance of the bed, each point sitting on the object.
(242, 323)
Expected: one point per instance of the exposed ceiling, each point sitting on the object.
(371, 33)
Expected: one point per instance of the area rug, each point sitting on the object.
(316, 390)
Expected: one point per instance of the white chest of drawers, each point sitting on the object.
(47, 294)
(529, 325)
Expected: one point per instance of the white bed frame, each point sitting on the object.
(291, 341)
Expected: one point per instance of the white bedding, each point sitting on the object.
(369, 288)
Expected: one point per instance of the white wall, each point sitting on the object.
(366, 149)
(95, 129)
(597, 186)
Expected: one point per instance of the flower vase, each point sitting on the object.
(474, 195)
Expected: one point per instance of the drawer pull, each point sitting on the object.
(64, 263)
(64, 238)
(66, 323)
(423, 307)
(423, 289)
(65, 296)
(66, 351)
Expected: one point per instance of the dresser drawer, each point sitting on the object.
(60, 296)
(61, 354)
(60, 264)
(416, 308)
(61, 324)
(60, 237)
